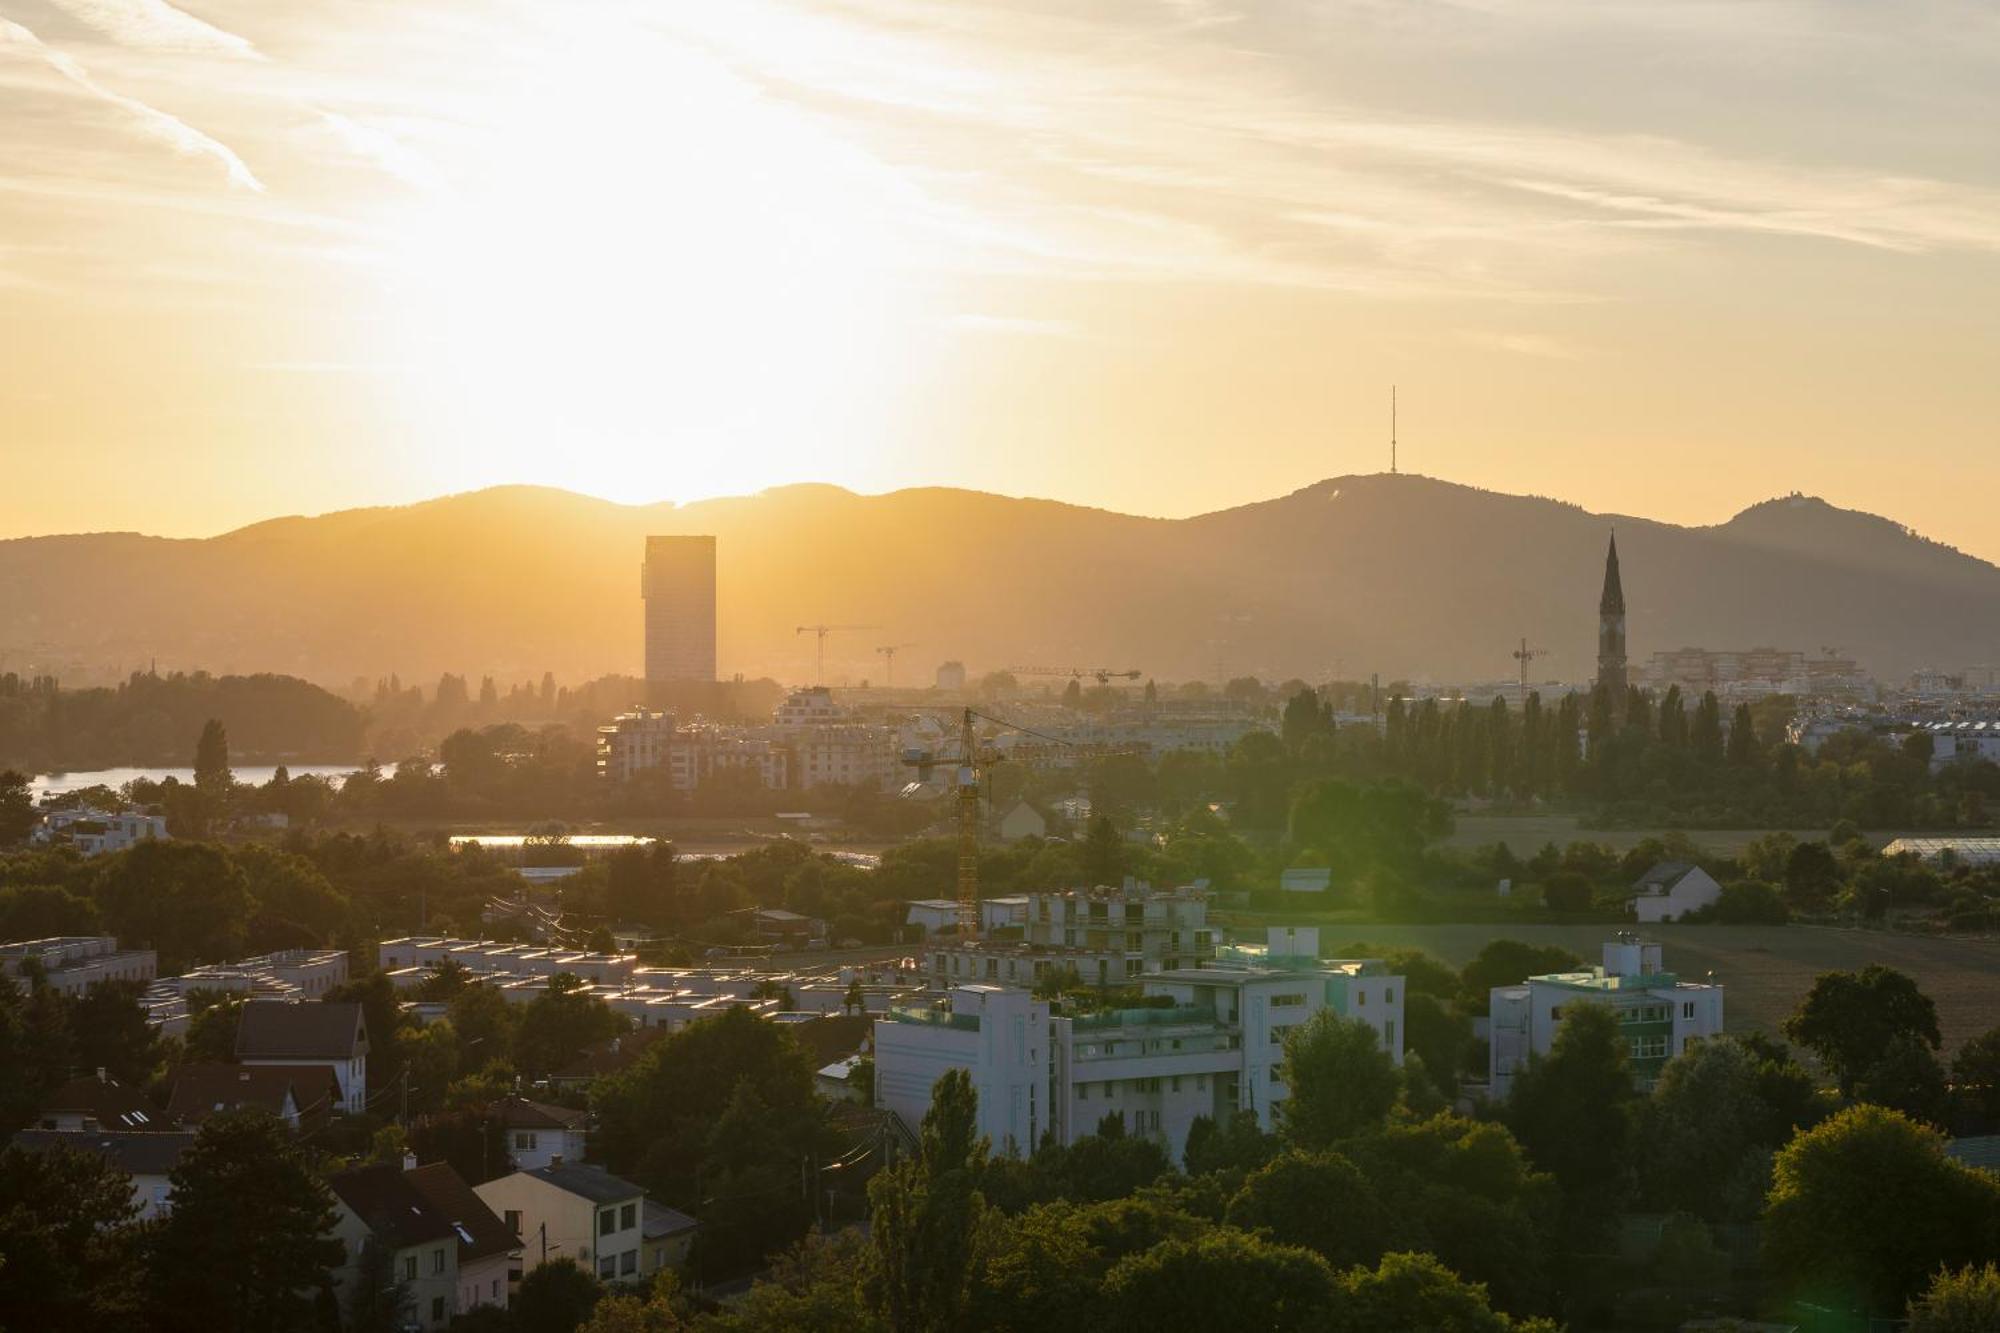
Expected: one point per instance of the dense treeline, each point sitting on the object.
(153, 720)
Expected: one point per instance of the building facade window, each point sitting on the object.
(628, 1262)
(409, 1268)
(627, 1215)
(437, 1261)
(607, 1221)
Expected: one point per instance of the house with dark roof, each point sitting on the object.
(377, 1205)
(1672, 889)
(568, 1211)
(98, 1101)
(148, 1158)
(609, 1056)
(539, 1133)
(488, 1253)
(666, 1237)
(279, 1032)
(299, 1095)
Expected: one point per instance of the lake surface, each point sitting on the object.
(256, 775)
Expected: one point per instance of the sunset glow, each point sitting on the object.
(333, 255)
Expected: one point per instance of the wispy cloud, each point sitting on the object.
(155, 25)
(1523, 344)
(1015, 325)
(151, 121)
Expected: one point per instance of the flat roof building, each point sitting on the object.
(677, 582)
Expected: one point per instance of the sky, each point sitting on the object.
(1657, 257)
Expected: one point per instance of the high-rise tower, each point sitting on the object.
(1611, 676)
(678, 583)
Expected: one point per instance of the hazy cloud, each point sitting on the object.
(154, 24)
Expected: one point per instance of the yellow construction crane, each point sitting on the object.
(966, 774)
(889, 651)
(1102, 675)
(821, 631)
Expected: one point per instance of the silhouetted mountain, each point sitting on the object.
(1397, 574)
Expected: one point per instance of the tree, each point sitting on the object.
(1812, 874)
(1865, 1207)
(1239, 1143)
(62, 1218)
(1342, 1081)
(925, 1214)
(1415, 1291)
(618, 1313)
(1907, 1078)
(1966, 1301)
(111, 1033)
(1572, 1108)
(187, 900)
(1566, 891)
(1849, 1019)
(855, 1001)
(559, 1023)
(1221, 1279)
(37, 911)
(380, 1301)
(18, 815)
(1320, 1201)
(243, 1189)
(1507, 963)
(1104, 852)
(555, 1297)
(211, 760)
(1709, 1127)
(1975, 1078)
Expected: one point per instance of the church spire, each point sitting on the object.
(1613, 600)
(1611, 672)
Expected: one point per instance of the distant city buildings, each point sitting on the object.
(950, 677)
(678, 584)
(1753, 672)
(1659, 1014)
(72, 964)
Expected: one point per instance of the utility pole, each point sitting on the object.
(1392, 430)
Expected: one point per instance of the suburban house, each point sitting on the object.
(147, 1158)
(296, 1094)
(488, 1253)
(566, 1211)
(277, 1032)
(378, 1205)
(1023, 821)
(538, 1133)
(1672, 889)
(98, 1101)
(1659, 1014)
(666, 1236)
(933, 914)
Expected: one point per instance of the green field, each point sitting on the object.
(1764, 969)
(1525, 834)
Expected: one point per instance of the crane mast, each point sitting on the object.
(968, 830)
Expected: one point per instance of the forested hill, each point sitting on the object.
(152, 719)
(1403, 575)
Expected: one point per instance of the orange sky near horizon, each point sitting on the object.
(1656, 257)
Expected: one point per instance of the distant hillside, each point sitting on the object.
(1397, 574)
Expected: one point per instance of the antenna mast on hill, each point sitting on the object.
(1392, 430)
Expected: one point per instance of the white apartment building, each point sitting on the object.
(1660, 1014)
(567, 1211)
(73, 964)
(633, 743)
(1108, 936)
(1211, 1043)
(93, 832)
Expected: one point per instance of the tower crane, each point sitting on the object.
(889, 651)
(1102, 675)
(966, 773)
(820, 632)
(1524, 655)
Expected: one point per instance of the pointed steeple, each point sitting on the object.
(1612, 603)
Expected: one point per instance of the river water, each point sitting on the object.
(256, 775)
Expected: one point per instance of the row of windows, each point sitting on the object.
(617, 1219)
(1171, 1083)
(410, 1265)
(622, 1265)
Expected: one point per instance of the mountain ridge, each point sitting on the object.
(1406, 575)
